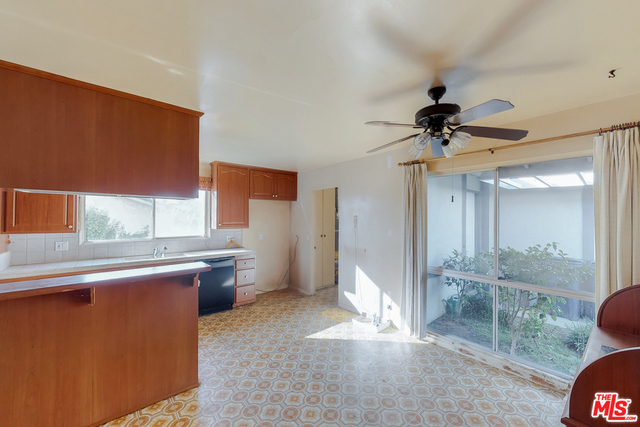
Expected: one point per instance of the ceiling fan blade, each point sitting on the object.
(436, 148)
(385, 123)
(495, 133)
(392, 143)
(483, 110)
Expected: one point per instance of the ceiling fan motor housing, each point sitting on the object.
(435, 115)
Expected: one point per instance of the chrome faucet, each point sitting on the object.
(159, 251)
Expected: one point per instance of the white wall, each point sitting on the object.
(371, 189)
(271, 219)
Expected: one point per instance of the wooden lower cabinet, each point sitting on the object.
(245, 284)
(67, 363)
(146, 346)
(46, 361)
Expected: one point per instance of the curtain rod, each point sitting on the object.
(537, 141)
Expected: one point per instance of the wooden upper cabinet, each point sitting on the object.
(263, 184)
(60, 134)
(39, 213)
(230, 190)
(273, 185)
(287, 186)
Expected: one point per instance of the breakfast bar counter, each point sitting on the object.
(84, 349)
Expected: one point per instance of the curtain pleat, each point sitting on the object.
(616, 164)
(414, 250)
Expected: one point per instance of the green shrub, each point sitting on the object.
(578, 334)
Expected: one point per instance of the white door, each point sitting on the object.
(324, 238)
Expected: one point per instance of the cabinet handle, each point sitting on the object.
(245, 293)
(66, 210)
(14, 208)
(276, 195)
(245, 277)
(71, 226)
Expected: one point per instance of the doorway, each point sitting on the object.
(326, 244)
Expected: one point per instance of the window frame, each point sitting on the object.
(495, 280)
(82, 230)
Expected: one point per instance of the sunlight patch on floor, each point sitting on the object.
(347, 330)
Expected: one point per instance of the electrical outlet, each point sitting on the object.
(228, 239)
(62, 246)
(261, 236)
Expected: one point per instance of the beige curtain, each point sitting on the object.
(616, 164)
(414, 253)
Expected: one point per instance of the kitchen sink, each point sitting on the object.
(151, 257)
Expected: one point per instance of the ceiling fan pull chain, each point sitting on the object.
(452, 180)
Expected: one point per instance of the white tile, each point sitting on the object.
(143, 248)
(85, 251)
(70, 255)
(115, 250)
(35, 243)
(101, 261)
(67, 264)
(52, 256)
(100, 251)
(47, 266)
(17, 237)
(18, 245)
(35, 257)
(54, 236)
(73, 243)
(127, 249)
(50, 244)
(18, 258)
(84, 263)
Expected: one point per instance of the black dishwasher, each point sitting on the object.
(216, 292)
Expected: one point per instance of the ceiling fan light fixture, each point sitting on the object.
(458, 140)
(419, 144)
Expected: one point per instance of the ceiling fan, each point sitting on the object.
(438, 121)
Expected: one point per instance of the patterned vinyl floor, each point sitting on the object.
(293, 360)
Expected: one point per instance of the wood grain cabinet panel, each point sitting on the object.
(60, 134)
(82, 356)
(268, 184)
(155, 325)
(263, 184)
(46, 370)
(287, 186)
(39, 213)
(230, 186)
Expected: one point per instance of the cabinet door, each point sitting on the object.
(46, 358)
(232, 197)
(145, 336)
(262, 185)
(39, 213)
(286, 186)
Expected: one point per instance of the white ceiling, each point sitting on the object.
(289, 83)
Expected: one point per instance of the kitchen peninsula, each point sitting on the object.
(80, 350)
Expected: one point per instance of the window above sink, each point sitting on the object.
(114, 218)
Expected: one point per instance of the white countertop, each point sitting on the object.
(89, 265)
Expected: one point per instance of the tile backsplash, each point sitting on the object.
(40, 248)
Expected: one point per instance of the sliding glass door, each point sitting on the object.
(532, 298)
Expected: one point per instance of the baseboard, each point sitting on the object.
(302, 291)
(507, 364)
